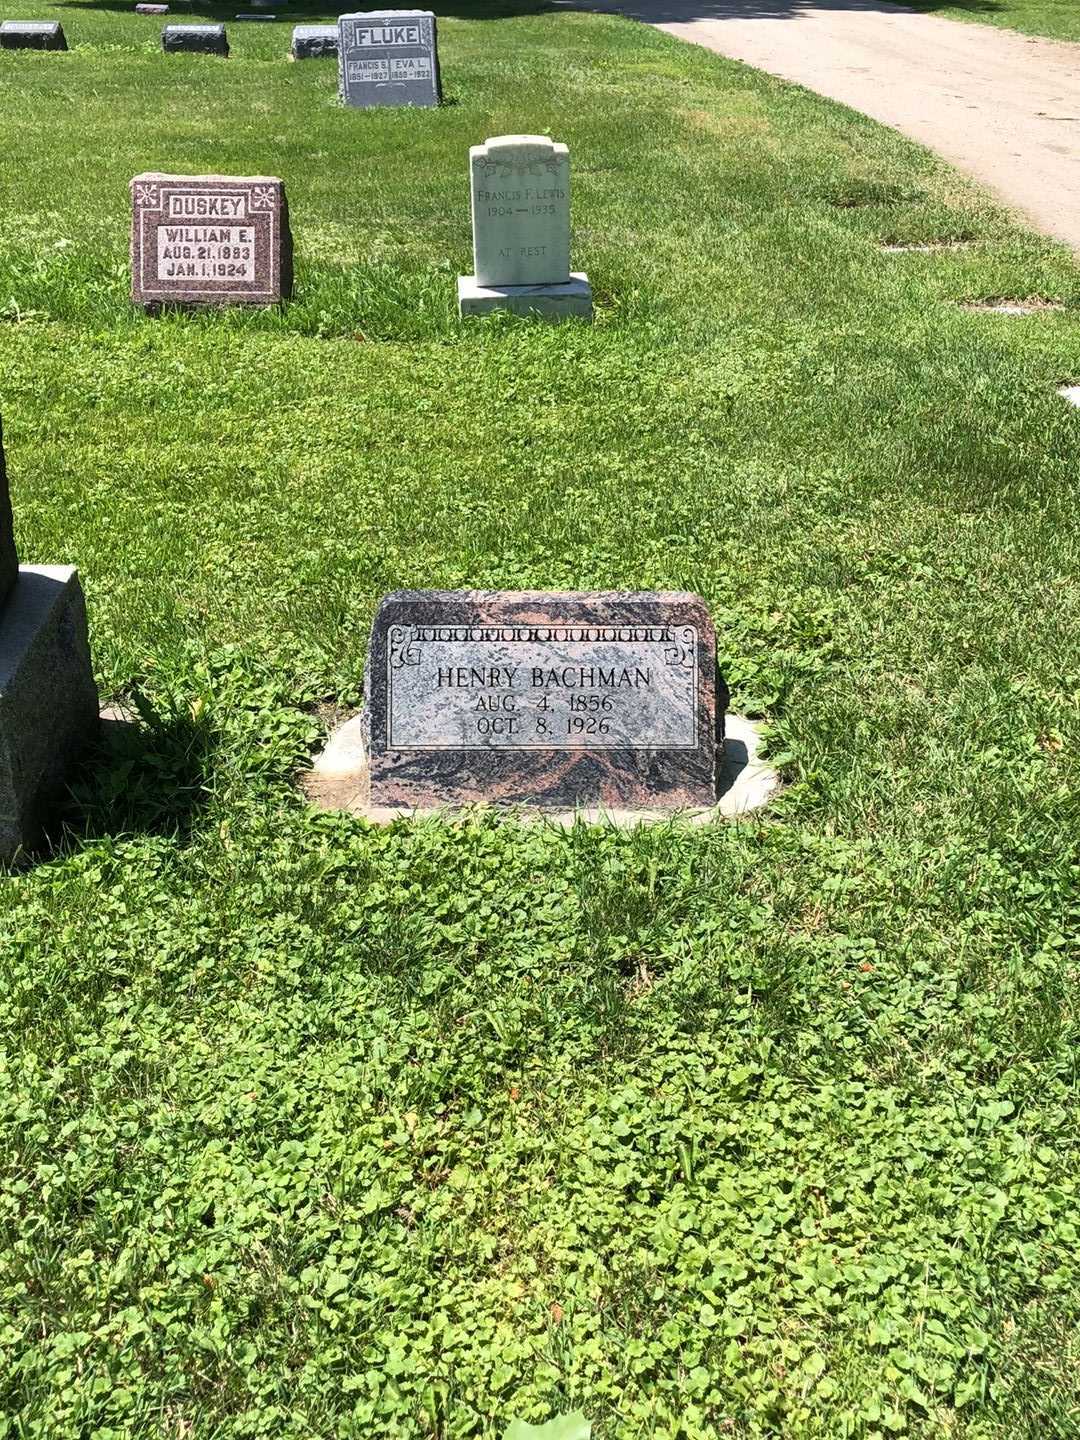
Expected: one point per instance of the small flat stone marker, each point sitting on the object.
(546, 699)
(314, 42)
(388, 57)
(48, 700)
(209, 240)
(151, 9)
(255, 17)
(32, 35)
(195, 40)
(521, 231)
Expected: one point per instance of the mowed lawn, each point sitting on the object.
(761, 1130)
(1059, 19)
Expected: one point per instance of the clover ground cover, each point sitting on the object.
(314, 1129)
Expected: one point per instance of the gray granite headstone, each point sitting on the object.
(32, 35)
(195, 40)
(48, 700)
(314, 42)
(388, 57)
(556, 700)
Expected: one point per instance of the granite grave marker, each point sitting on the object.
(32, 35)
(9, 559)
(314, 42)
(521, 231)
(209, 240)
(195, 40)
(388, 57)
(48, 700)
(538, 698)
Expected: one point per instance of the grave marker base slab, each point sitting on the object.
(552, 302)
(340, 780)
(48, 700)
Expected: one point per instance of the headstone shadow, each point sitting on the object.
(660, 12)
(674, 12)
(734, 759)
(298, 10)
(147, 773)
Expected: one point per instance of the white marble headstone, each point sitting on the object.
(521, 211)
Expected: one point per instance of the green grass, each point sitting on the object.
(764, 1130)
(1060, 19)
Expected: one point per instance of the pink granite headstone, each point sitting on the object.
(209, 240)
(542, 698)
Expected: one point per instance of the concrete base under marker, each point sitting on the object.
(339, 781)
(552, 302)
(1071, 393)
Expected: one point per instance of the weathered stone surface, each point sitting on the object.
(195, 39)
(520, 187)
(314, 42)
(520, 211)
(32, 35)
(48, 701)
(9, 560)
(542, 698)
(551, 302)
(151, 9)
(209, 240)
(388, 57)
